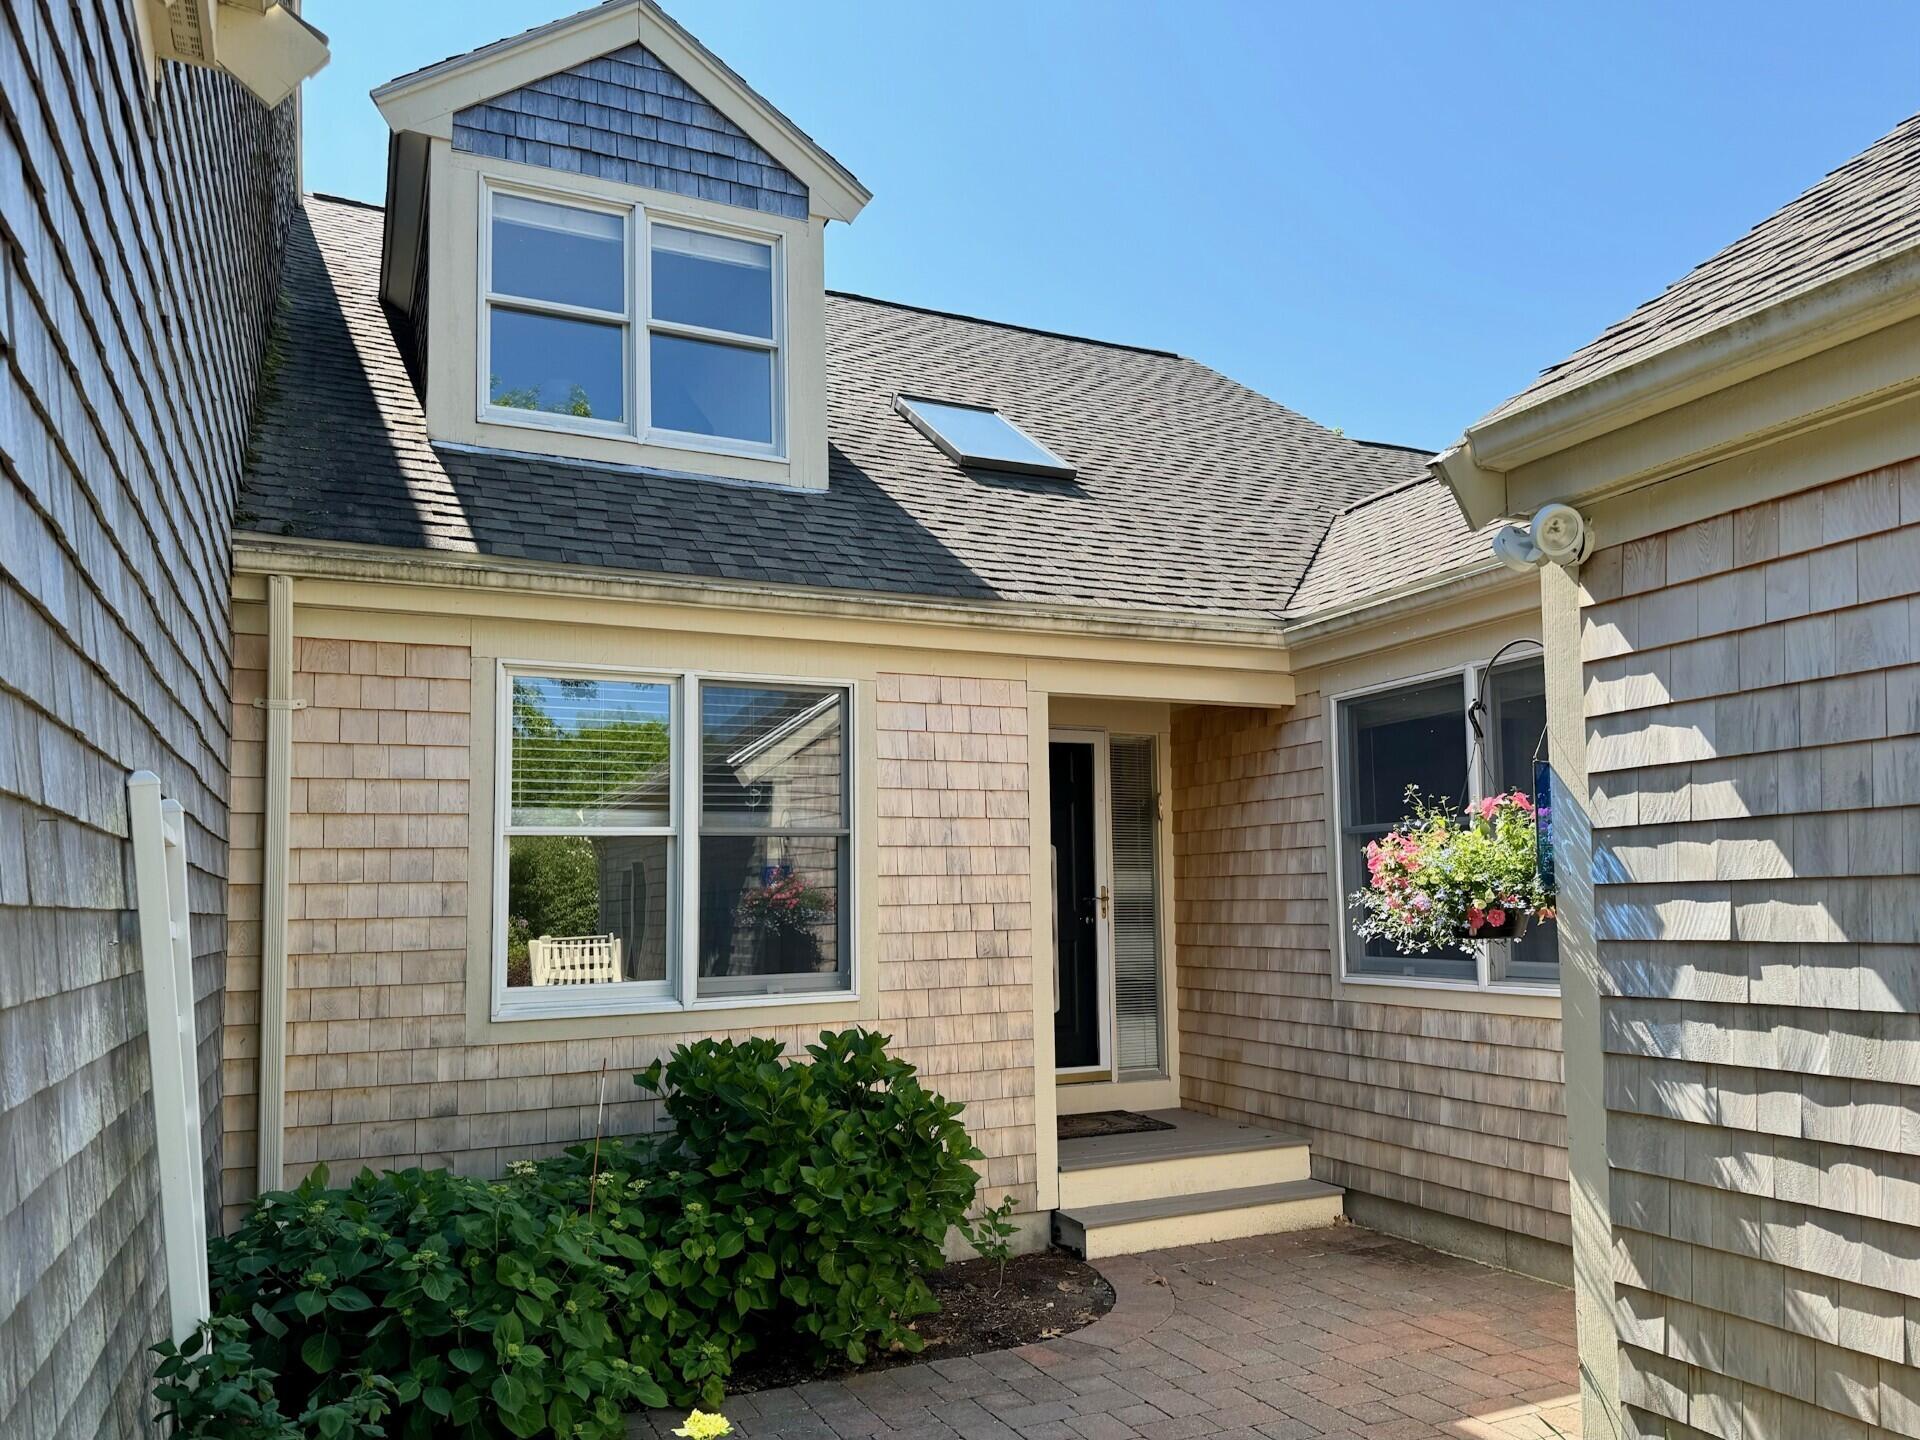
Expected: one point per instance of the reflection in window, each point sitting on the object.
(1419, 735)
(590, 842)
(593, 874)
(556, 309)
(1516, 700)
(1415, 736)
(773, 840)
(713, 353)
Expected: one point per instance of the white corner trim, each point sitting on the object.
(275, 842)
(157, 829)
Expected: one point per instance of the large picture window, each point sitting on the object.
(1420, 734)
(565, 290)
(671, 840)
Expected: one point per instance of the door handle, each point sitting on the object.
(1105, 902)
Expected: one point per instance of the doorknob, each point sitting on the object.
(1105, 902)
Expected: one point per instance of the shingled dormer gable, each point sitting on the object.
(601, 244)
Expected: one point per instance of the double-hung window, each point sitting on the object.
(675, 341)
(713, 354)
(1420, 734)
(557, 332)
(670, 841)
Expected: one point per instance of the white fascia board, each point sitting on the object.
(1480, 494)
(1828, 315)
(425, 102)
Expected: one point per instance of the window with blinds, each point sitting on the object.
(671, 840)
(590, 843)
(1134, 798)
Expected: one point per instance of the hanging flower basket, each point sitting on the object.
(1447, 879)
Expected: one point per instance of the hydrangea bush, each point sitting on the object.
(1447, 878)
(797, 1203)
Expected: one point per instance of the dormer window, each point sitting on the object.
(713, 351)
(558, 348)
(602, 246)
(556, 323)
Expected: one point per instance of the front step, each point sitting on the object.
(1127, 1227)
(1201, 1153)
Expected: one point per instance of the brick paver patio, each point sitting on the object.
(1322, 1335)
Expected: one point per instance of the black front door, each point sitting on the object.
(1076, 1019)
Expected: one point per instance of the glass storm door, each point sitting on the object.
(1080, 1014)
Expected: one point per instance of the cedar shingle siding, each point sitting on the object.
(1754, 756)
(1454, 1111)
(138, 261)
(382, 1069)
(626, 117)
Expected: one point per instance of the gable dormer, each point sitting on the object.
(604, 246)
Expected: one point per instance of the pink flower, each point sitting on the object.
(1496, 917)
(1475, 919)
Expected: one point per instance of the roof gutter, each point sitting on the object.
(257, 554)
(1855, 304)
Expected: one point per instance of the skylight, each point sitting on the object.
(985, 439)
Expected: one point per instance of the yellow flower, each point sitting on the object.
(702, 1426)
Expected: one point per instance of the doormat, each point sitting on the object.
(1108, 1122)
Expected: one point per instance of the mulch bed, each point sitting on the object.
(1043, 1296)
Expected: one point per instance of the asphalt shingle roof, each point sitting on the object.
(1194, 494)
(1862, 213)
(1401, 534)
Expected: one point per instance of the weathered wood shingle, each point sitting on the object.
(140, 236)
(1756, 801)
(626, 117)
(1452, 1111)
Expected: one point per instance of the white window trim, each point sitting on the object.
(157, 828)
(776, 346)
(679, 993)
(637, 325)
(1472, 677)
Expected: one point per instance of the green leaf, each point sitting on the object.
(466, 1358)
(438, 1399)
(437, 1286)
(349, 1298)
(321, 1351)
(309, 1303)
(330, 1421)
(269, 1322)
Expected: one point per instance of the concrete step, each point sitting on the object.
(1203, 1154)
(1130, 1226)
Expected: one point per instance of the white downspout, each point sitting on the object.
(279, 705)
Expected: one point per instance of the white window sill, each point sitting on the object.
(573, 1007)
(1470, 987)
(620, 432)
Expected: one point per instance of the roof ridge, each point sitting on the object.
(344, 200)
(1003, 324)
(1394, 445)
(1394, 488)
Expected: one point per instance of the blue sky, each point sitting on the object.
(1386, 216)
